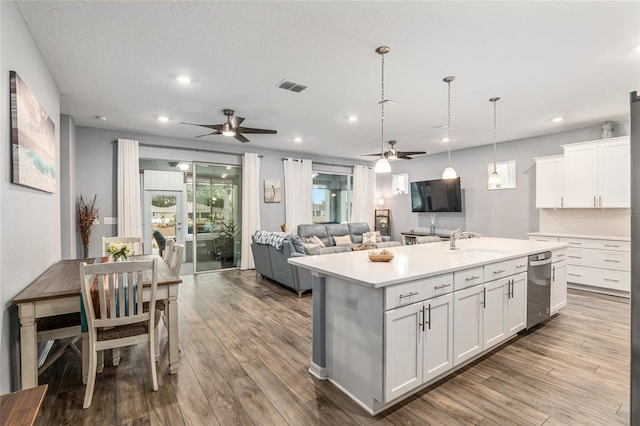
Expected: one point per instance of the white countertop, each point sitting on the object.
(420, 260)
(588, 236)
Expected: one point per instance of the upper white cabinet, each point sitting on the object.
(549, 181)
(597, 174)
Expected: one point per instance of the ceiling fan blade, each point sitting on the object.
(404, 156)
(251, 130)
(208, 126)
(238, 136)
(410, 152)
(377, 154)
(236, 121)
(207, 134)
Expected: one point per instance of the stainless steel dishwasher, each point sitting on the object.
(538, 288)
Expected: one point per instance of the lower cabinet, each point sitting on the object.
(487, 314)
(419, 344)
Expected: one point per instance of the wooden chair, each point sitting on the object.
(135, 242)
(168, 249)
(112, 296)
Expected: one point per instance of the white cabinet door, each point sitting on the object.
(614, 174)
(581, 175)
(558, 286)
(516, 304)
(549, 181)
(438, 343)
(403, 343)
(467, 323)
(494, 312)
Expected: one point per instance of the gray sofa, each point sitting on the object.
(271, 262)
(327, 232)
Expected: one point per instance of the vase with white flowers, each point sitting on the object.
(119, 251)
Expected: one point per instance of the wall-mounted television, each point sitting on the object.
(439, 195)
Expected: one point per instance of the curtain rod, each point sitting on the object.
(320, 162)
(186, 148)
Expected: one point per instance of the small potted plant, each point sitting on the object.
(87, 213)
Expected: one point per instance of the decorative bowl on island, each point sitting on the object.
(383, 255)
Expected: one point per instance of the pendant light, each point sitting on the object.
(449, 172)
(382, 165)
(494, 180)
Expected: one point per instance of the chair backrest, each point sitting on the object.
(168, 250)
(112, 293)
(176, 258)
(135, 242)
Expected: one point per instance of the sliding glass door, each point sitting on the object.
(214, 216)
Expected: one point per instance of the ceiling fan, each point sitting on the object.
(392, 153)
(232, 127)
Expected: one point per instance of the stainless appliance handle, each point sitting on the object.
(539, 262)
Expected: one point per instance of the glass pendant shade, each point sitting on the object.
(449, 173)
(495, 180)
(382, 166)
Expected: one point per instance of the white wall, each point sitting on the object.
(29, 219)
(508, 213)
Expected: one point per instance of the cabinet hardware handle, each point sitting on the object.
(612, 260)
(575, 257)
(553, 273)
(594, 201)
(520, 266)
(574, 275)
(612, 280)
(429, 322)
(475, 277)
(413, 293)
(439, 287)
(484, 297)
(561, 255)
(600, 200)
(421, 318)
(611, 245)
(499, 271)
(513, 285)
(561, 201)
(573, 242)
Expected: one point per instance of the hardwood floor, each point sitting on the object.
(246, 348)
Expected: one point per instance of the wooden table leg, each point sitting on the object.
(172, 311)
(28, 345)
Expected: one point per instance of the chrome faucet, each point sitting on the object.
(457, 234)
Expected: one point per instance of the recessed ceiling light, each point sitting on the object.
(353, 118)
(184, 79)
(163, 118)
(637, 49)
(101, 118)
(297, 139)
(556, 119)
(445, 140)
(183, 166)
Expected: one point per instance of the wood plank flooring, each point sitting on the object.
(246, 348)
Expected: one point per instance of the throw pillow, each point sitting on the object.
(315, 240)
(369, 238)
(311, 249)
(344, 240)
(378, 236)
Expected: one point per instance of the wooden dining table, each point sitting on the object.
(57, 292)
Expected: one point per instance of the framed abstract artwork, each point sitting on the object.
(33, 139)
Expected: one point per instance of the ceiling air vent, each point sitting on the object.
(291, 86)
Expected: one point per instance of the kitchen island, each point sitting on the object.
(382, 331)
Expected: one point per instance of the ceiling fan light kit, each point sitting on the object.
(449, 172)
(494, 180)
(382, 165)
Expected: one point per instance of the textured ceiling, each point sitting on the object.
(544, 59)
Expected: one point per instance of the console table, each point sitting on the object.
(409, 238)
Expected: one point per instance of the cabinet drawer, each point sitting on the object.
(558, 255)
(415, 291)
(505, 268)
(605, 259)
(467, 278)
(616, 280)
(597, 244)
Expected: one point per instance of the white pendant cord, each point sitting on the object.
(382, 111)
(494, 100)
(449, 120)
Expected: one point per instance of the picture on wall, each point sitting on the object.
(33, 140)
(272, 193)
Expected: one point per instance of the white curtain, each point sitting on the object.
(364, 188)
(250, 206)
(298, 188)
(129, 206)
